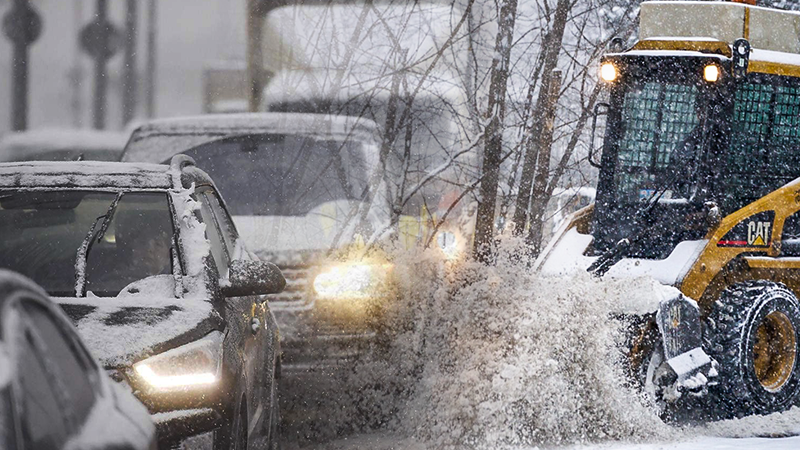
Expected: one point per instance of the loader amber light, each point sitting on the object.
(164, 382)
(711, 73)
(608, 72)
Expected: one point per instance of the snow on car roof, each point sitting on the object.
(84, 174)
(158, 140)
(25, 144)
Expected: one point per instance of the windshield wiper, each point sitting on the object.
(621, 249)
(82, 255)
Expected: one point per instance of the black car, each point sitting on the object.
(146, 261)
(53, 394)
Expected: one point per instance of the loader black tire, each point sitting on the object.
(752, 332)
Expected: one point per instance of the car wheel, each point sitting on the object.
(274, 434)
(753, 332)
(232, 435)
(239, 440)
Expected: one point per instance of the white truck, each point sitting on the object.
(405, 68)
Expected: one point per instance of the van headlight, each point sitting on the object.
(196, 364)
(351, 280)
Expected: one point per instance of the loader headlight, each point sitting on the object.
(711, 73)
(351, 280)
(196, 364)
(608, 72)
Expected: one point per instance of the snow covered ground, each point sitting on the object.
(500, 358)
(389, 442)
(774, 432)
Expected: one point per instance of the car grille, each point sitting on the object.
(298, 279)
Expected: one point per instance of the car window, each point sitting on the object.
(224, 221)
(284, 174)
(218, 250)
(42, 417)
(75, 373)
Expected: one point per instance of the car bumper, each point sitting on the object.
(324, 336)
(175, 426)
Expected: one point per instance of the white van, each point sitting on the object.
(302, 190)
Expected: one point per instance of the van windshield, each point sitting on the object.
(284, 174)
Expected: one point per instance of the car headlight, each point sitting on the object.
(351, 280)
(196, 364)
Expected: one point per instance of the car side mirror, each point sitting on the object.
(252, 278)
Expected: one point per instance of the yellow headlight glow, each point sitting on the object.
(608, 72)
(350, 280)
(711, 73)
(173, 381)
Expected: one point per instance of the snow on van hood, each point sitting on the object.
(144, 319)
(281, 233)
(328, 225)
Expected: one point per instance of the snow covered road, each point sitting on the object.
(390, 442)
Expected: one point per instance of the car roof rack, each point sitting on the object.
(180, 162)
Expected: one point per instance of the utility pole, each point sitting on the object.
(101, 40)
(150, 76)
(22, 25)
(254, 78)
(76, 72)
(129, 78)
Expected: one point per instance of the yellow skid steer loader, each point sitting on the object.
(698, 189)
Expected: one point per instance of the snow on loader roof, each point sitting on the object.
(766, 29)
(712, 26)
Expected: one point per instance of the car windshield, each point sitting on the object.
(42, 231)
(283, 174)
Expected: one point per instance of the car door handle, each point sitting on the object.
(255, 324)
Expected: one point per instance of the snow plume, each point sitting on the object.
(489, 357)
(513, 359)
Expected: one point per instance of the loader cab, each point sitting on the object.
(665, 131)
(687, 133)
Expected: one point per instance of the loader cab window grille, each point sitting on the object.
(656, 118)
(764, 151)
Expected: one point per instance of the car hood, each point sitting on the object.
(143, 320)
(279, 233)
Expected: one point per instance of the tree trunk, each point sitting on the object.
(551, 45)
(492, 136)
(545, 145)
